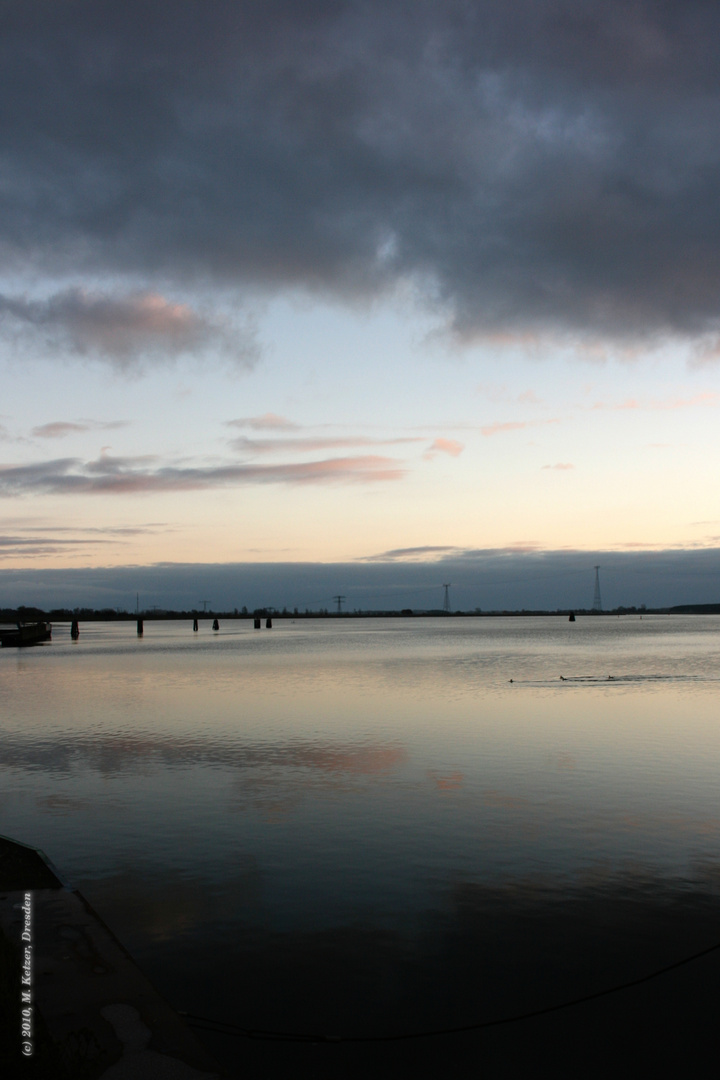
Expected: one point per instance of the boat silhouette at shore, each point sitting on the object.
(26, 634)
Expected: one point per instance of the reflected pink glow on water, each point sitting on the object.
(374, 789)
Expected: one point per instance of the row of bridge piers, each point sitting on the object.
(75, 626)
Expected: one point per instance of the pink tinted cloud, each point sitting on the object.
(706, 397)
(58, 430)
(515, 425)
(123, 476)
(124, 327)
(267, 422)
(509, 339)
(627, 545)
(620, 406)
(511, 425)
(446, 446)
(312, 443)
(560, 465)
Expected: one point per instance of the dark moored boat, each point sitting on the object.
(26, 634)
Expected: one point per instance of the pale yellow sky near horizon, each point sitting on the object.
(353, 434)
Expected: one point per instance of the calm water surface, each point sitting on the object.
(375, 826)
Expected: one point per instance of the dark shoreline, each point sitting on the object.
(61, 615)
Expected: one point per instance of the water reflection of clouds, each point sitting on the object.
(59, 804)
(277, 784)
(274, 777)
(113, 754)
(449, 781)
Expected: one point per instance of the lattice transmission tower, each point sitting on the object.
(597, 602)
(446, 605)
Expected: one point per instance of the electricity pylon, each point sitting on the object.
(597, 602)
(339, 603)
(446, 605)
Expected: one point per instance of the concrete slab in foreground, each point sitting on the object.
(102, 1016)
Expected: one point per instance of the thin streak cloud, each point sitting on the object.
(311, 443)
(513, 425)
(123, 476)
(704, 398)
(34, 545)
(424, 553)
(266, 422)
(60, 429)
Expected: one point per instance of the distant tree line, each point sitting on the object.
(28, 614)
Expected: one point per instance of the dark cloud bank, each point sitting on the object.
(530, 166)
(491, 580)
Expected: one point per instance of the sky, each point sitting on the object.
(360, 298)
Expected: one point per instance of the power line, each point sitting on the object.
(483, 579)
(209, 1024)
